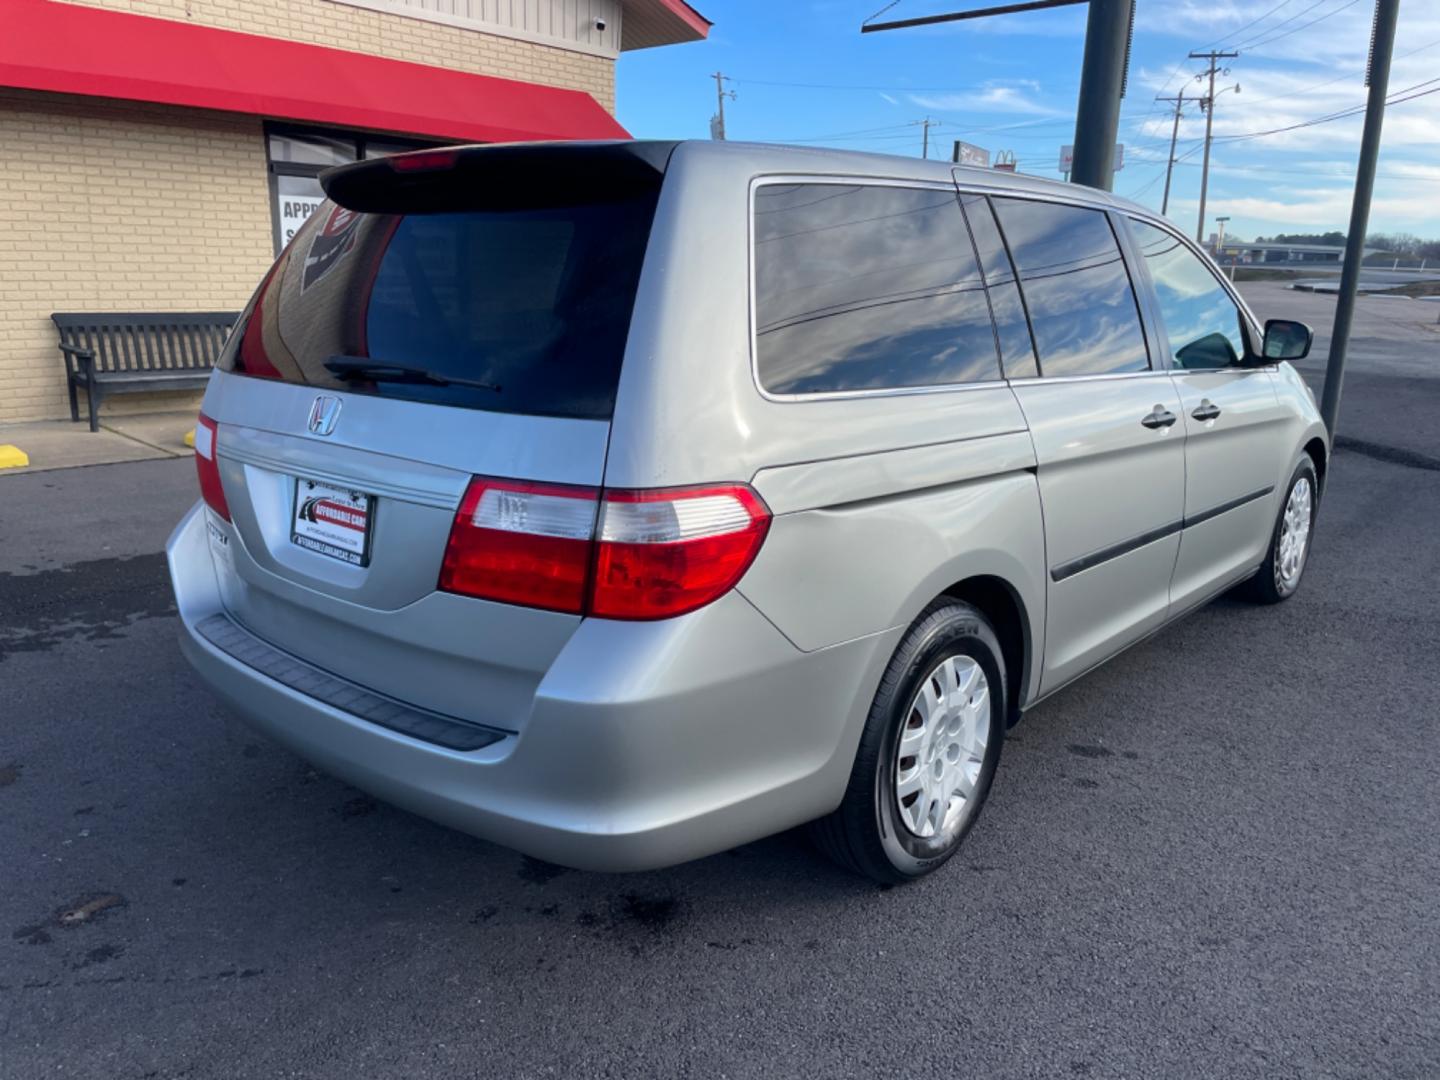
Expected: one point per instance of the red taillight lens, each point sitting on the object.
(663, 553)
(208, 468)
(623, 555)
(522, 543)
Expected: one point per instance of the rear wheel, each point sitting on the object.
(1279, 576)
(928, 752)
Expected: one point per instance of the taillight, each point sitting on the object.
(663, 553)
(614, 555)
(522, 544)
(425, 161)
(208, 467)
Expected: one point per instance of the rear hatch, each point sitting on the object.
(449, 314)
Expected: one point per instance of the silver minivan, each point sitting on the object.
(625, 502)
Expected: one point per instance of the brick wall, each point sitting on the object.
(125, 207)
(118, 208)
(340, 26)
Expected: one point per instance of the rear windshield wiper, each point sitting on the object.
(359, 367)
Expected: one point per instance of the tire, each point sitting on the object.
(1278, 577)
(877, 831)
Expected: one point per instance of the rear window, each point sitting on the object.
(518, 309)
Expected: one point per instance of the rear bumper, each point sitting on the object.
(647, 744)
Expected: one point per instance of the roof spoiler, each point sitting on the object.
(510, 176)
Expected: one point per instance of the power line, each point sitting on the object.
(1289, 19)
(1341, 115)
(1295, 30)
(1252, 102)
(1301, 172)
(1252, 22)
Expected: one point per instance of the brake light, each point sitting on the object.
(521, 543)
(425, 161)
(663, 553)
(612, 554)
(208, 468)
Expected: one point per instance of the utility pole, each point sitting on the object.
(1207, 105)
(1179, 100)
(1102, 84)
(1102, 78)
(925, 126)
(1377, 78)
(717, 122)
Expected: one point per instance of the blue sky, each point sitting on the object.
(803, 72)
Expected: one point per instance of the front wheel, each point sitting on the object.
(1279, 576)
(928, 752)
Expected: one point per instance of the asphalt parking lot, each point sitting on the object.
(1217, 856)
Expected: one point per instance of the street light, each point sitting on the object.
(1220, 244)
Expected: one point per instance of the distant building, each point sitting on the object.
(158, 153)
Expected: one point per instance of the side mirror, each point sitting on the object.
(1287, 340)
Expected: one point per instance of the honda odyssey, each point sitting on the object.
(625, 502)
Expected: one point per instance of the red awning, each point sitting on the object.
(70, 49)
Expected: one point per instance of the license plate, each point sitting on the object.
(333, 521)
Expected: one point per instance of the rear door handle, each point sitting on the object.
(1207, 410)
(1159, 417)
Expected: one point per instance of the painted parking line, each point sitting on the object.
(12, 457)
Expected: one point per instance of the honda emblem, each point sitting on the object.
(323, 415)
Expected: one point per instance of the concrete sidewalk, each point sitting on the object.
(61, 444)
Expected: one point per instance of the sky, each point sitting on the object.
(802, 72)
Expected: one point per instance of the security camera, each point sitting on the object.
(600, 25)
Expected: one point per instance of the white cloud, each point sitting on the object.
(997, 96)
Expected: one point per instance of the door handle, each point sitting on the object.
(1207, 410)
(1159, 417)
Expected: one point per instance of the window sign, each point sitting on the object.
(296, 158)
(297, 197)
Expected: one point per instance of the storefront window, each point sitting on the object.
(297, 157)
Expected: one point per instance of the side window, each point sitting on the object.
(1017, 352)
(1201, 321)
(1082, 308)
(861, 287)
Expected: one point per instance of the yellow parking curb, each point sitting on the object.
(190, 438)
(12, 457)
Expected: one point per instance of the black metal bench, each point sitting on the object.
(118, 352)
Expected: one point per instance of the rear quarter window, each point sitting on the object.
(863, 287)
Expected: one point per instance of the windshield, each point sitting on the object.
(522, 310)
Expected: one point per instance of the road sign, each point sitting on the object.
(968, 154)
(1067, 158)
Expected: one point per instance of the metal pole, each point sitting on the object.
(925, 139)
(1170, 165)
(1102, 85)
(1382, 44)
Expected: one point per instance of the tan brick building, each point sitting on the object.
(157, 153)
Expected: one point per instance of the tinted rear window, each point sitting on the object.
(862, 287)
(1078, 292)
(534, 301)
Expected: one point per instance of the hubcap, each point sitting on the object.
(1294, 536)
(942, 746)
